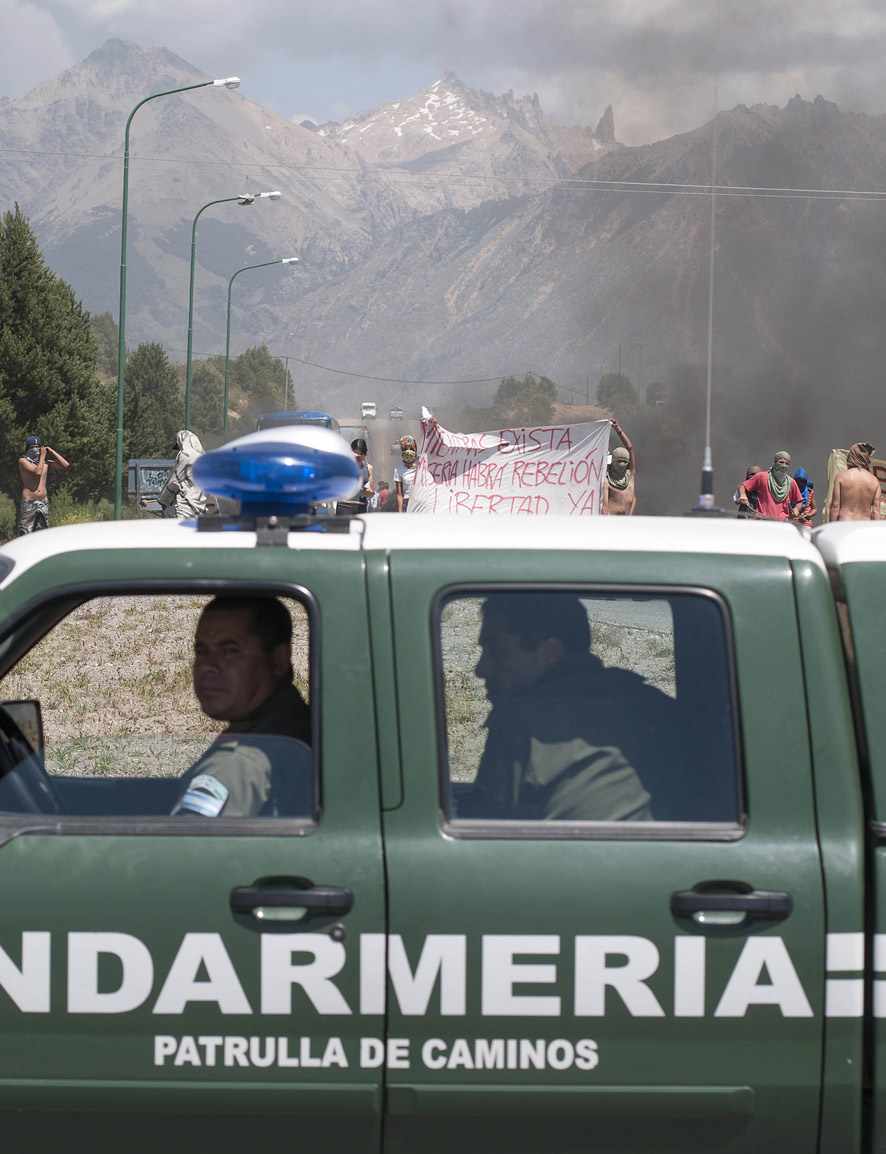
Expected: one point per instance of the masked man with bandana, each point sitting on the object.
(856, 495)
(619, 498)
(404, 474)
(778, 494)
(33, 466)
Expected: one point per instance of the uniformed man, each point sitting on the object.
(544, 757)
(260, 764)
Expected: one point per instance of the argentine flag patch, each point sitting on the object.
(206, 795)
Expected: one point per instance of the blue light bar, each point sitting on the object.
(285, 470)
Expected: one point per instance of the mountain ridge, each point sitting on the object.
(531, 245)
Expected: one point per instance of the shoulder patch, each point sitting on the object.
(205, 795)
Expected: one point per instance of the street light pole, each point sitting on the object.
(229, 82)
(264, 264)
(244, 198)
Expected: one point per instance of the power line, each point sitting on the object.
(383, 380)
(563, 183)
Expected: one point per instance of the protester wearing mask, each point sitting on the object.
(779, 497)
(181, 497)
(619, 498)
(404, 474)
(807, 491)
(33, 466)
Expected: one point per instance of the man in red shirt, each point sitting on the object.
(778, 494)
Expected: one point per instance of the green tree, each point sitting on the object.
(518, 401)
(207, 400)
(106, 334)
(48, 382)
(616, 392)
(152, 404)
(260, 377)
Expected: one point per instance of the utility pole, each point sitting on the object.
(640, 369)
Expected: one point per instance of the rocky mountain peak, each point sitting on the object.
(118, 69)
(443, 113)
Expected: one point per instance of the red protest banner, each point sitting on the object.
(549, 469)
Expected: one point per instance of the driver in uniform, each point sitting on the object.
(242, 674)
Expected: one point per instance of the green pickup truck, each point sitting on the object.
(616, 887)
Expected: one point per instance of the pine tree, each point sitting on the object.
(48, 383)
(152, 404)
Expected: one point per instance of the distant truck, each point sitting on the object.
(367, 410)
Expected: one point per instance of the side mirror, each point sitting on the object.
(27, 717)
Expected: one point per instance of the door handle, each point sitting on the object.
(326, 901)
(762, 905)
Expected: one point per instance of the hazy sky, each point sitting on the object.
(654, 61)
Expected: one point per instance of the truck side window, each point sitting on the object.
(576, 707)
(132, 727)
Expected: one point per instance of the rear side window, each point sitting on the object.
(583, 706)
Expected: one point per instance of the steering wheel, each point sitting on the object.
(25, 786)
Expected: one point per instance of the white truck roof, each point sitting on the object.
(394, 532)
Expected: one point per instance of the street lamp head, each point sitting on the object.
(228, 82)
(270, 195)
(289, 260)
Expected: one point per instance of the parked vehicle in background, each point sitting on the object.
(299, 417)
(367, 409)
(396, 414)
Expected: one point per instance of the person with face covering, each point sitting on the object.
(36, 461)
(180, 496)
(856, 495)
(807, 490)
(404, 474)
(619, 498)
(778, 495)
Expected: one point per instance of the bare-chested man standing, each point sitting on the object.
(856, 495)
(33, 466)
(619, 498)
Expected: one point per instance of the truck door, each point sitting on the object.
(856, 557)
(605, 905)
(182, 982)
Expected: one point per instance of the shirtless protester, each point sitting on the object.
(619, 498)
(33, 466)
(856, 495)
